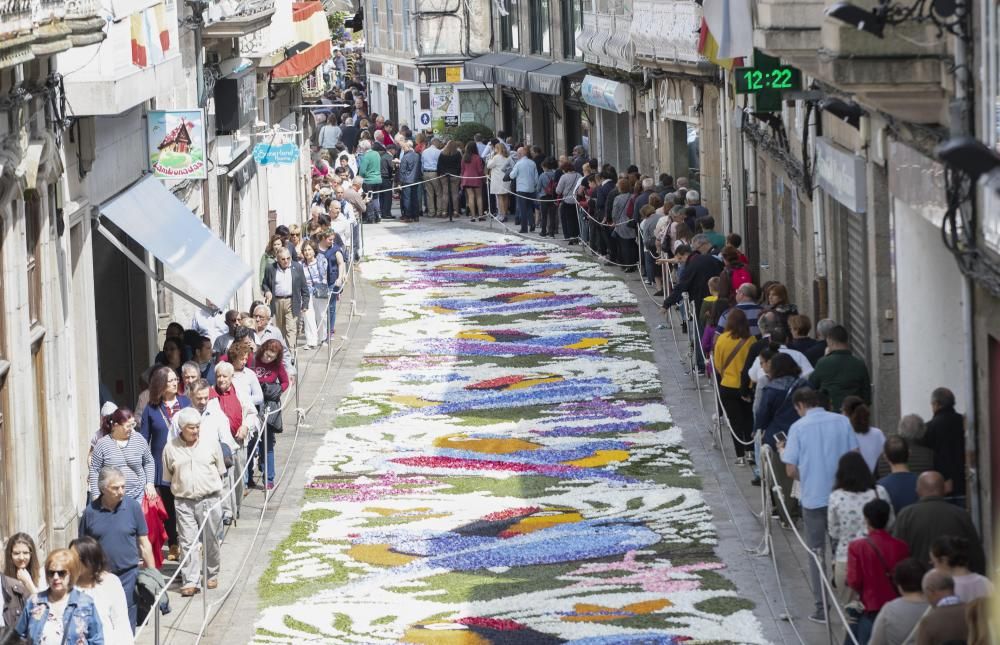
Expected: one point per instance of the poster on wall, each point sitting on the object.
(176, 144)
(444, 107)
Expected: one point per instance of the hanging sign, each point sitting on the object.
(276, 154)
(444, 107)
(176, 144)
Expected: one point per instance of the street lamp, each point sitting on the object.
(946, 15)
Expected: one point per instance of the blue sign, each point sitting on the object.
(268, 154)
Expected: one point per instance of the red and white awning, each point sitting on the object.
(309, 23)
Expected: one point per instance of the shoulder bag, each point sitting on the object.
(732, 355)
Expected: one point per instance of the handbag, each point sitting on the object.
(227, 455)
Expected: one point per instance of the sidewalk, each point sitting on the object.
(249, 541)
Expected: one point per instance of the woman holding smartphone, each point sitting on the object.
(774, 416)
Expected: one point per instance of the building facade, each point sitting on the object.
(102, 247)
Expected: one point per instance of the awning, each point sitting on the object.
(514, 73)
(548, 80)
(311, 46)
(153, 217)
(481, 69)
(606, 94)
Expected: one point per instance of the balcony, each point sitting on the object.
(83, 17)
(606, 41)
(666, 33)
(121, 73)
(31, 28)
(236, 18)
(903, 74)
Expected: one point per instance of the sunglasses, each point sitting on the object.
(61, 573)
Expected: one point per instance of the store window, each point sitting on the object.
(572, 23)
(541, 39)
(510, 26)
(33, 238)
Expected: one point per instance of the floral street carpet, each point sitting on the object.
(503, 470)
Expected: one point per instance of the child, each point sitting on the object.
(707, 317)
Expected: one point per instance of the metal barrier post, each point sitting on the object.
(204, 567)
(156, 622)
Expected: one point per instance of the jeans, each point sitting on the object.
(814, 522)
(863, 629)
(584, 223)
(650, 269)
(128, 578)
(331, 311)
(265, 455)
(549, 220)
(525, 211)
(410, 202)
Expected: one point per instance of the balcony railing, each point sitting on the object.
(667, 31)
(236, 18)
(605, 41)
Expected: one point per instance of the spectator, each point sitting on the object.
(154, 426)
(900, 483)
(450, 177)
(692, 199)
(746, 301)
(126, 450)
(202, 357)
(21, 562)
(623, 245)
(117, 523)
(911, 427)
(767, 323)
(285, 289)
(337, 257)
(897, 621)
(194, 466)
(13, 597)
(735, 273)
(314, 266)
(871, 560)
(840, 374)
(497, 167)
(566, 192)
(61, 613)
(105, 589)
(525, 177)
(547, 206)
(777, 339)
(853, 488)
(665, 185)
(945, 622)
(920, 524)
(775, 414)
(776, 297)
(818, 351)
(945, 435)
(799, 327)
(815, 443)
(268, 258)
(264, 331)
(870, 439)
(700, 266)
(370, 172)
(950, 555)
(244, 378)
(472, 172)
(221, 344)
(274, 381)
(727, 358)
(216, 426)
(410, 176)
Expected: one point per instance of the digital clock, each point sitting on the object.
(752, 80)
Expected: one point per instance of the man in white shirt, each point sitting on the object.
(342, 226)
(209, 321)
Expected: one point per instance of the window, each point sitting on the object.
(388, 23)
(6, 437)
(373, 23)
(510, 36)
(541, 41)
(33, 238)
(407, 44)
(572, 23)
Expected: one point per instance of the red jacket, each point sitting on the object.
(870, 575)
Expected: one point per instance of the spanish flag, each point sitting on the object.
(726, 34)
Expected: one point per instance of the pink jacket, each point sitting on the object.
(472, 173)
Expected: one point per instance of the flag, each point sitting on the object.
(150, 36)
(139, 46)
(726, 31)
(709, 48)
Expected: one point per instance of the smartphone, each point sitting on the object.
(780, 437)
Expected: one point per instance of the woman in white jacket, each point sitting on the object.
(497, 166)
(105, 589)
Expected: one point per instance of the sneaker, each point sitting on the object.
(755, 481)
(740, 461)
(818, 617)
(187, 592)
(270, 485)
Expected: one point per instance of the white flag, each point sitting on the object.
(731, 26)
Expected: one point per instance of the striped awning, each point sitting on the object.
(313, 42)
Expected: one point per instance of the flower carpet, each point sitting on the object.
(503, 469)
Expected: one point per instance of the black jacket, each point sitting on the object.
(349, 135)
(300, 290)
(697, 272)
(945, 435)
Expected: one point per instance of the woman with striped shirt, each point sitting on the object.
(122, 447)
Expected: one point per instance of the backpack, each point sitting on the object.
(739, 276)
(550, 186)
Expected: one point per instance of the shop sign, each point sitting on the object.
(176, 141)
(444, 107)
(276, 154)
(841, 175)
(453, 74)
(467, 117)
(605, 94)
(674, 102)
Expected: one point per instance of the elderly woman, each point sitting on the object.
(190, 372)
(154, 426)
(623, 236)
(105, 589)
(61, 614)
(122, 447)
(195, 468)
(274, 381)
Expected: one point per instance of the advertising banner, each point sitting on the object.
(177, 144)
(444, 107)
